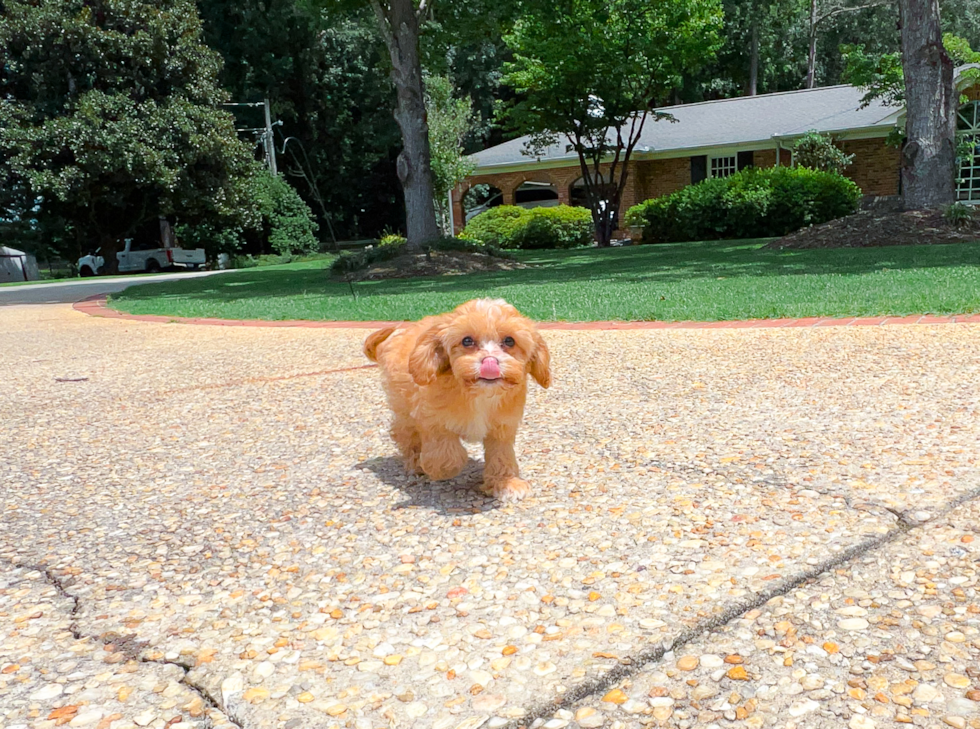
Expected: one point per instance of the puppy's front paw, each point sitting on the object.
(441, 470)
(413, 463)
(508, 490)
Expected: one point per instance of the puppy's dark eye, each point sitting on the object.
(509, 342)
(468, 341)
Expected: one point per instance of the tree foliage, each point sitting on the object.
(109, 117)
(882, 77)
(591, 70)
(816, 151)
(326, 75)
(451, 121)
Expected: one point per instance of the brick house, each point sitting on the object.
(716, 138)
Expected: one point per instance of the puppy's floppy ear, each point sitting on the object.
(540, 363)
(429, 359)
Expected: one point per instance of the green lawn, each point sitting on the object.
(707, 281)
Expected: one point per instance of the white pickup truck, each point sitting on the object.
(144, 256)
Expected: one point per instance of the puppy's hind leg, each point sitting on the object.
(443, 456)
(406, 437)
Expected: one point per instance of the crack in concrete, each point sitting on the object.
(209, 699)
(632, 665)
(629, 665)
(780, 482)
(129, 647)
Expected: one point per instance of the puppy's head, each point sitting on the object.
(484, 343)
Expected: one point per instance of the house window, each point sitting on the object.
(968, 133)
(724, 166)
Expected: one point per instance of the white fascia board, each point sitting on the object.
(542, 164)
(870, 132)
(637, 156)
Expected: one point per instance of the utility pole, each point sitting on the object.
(264, 134)
(270, 144)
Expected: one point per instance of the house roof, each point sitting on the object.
(734, 122)
(740, 122)
(748, 122)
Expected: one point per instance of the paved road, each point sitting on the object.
(207, 527)
(69, 292)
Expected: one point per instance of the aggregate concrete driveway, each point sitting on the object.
(205, 526)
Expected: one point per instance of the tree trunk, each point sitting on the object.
(754, 60)
(108, 247)
(929, 155)
(414, 161)
(811, 62)
(603, 208)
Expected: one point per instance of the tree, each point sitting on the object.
(961, 18)
(929, 154)
(819, 15)
(327, 76)
(451, 121)
(762, 27)
(465, 41)
(591, 71)
(882, 77)
(399, 22)
(109, 117)
(760, 53)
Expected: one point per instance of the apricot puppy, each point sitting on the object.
(461, 375)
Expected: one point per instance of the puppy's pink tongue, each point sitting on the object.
(490, 369)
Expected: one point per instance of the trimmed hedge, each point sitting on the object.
(392, 246)
(753, 203)
(511, 226)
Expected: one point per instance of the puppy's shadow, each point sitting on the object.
(460, 495)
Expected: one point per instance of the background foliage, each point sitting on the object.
(512, 227)
(753, 203)
(111, 110)
(110, 117)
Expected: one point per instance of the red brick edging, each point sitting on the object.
(96, 306)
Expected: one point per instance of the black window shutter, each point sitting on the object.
(745, 159)
(699, 169)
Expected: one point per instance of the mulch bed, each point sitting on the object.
(434, 263)
(869, 228)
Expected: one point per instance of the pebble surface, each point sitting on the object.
(916, 662)
(225, 507)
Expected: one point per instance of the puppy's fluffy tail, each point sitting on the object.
(374, 341)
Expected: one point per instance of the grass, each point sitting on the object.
(705, 281)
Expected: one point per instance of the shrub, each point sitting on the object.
(386, 250)
(818, 152)
(497, 226)
(510, 227)
(286, 218)
(753, 203)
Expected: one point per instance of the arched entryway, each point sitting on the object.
(479, 199)
(535, 194)
(576, 192)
